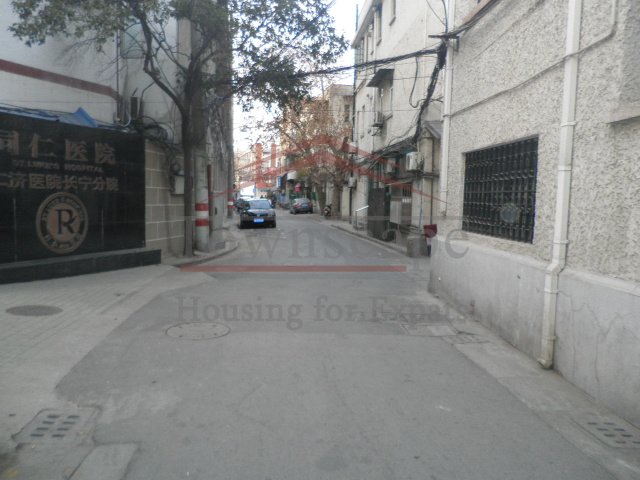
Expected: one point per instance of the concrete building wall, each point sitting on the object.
(605, 193)
(135, 82)
(360, 201)
(598, 339)
(406, 31)
(500, 289)
(164, 211)
(50, 80)
(508, 85)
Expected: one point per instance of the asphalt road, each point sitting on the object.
(317, 377)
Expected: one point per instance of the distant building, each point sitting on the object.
(337, 191)
(397, 141)
(245, 170)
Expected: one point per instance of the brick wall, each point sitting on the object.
(164, 212)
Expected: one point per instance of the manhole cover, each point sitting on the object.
(198, 331)
(54, 426)
(34, 310)
(610, 431)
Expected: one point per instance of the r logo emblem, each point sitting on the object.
(61, 223)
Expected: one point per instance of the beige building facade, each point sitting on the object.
(397, 123)
(539, 206)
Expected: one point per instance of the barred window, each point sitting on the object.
(359, 54)
(500, 190)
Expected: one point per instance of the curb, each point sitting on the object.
(395, 248)
(202, 257)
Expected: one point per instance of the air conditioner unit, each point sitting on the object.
(414, 161)
(378, 119)
(353, 181)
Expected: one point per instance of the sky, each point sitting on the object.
(344, 14)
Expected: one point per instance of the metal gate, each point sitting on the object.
(378, 215)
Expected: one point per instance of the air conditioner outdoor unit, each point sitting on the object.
(378, 119)
(414, 161)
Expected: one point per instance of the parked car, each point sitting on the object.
(257, 212)
(301, 205)
(241, 202)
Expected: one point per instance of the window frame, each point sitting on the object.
(499, 190)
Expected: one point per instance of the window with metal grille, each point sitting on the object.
(500, 190)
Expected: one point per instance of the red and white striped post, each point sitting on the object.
(202, 221)
(230, 204)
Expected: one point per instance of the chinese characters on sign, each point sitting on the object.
(40, 181)
(43, 149)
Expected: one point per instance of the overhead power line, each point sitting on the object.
(372, 63)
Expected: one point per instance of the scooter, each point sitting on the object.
(327, 211)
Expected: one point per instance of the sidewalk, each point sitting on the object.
(346, 227)
(46, 328)
(590, 427)
(57, 323)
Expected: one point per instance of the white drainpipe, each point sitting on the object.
(565, 162)
(446, 123)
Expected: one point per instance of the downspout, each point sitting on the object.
(352, 157)
(433, 161)
(565, 163)
(119, 101)
(446, 121)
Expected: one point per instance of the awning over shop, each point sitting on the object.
(434, 128)
(79, 118)
(380, 76)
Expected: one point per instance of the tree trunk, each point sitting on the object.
(187, 151)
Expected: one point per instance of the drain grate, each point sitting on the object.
(426, 330)
(610, 431)
(422, 318)
(447, 332)
(197, 331)
(34, 310)
(463, 338)
(53, 426)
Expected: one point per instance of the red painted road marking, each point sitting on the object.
(293, 268)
